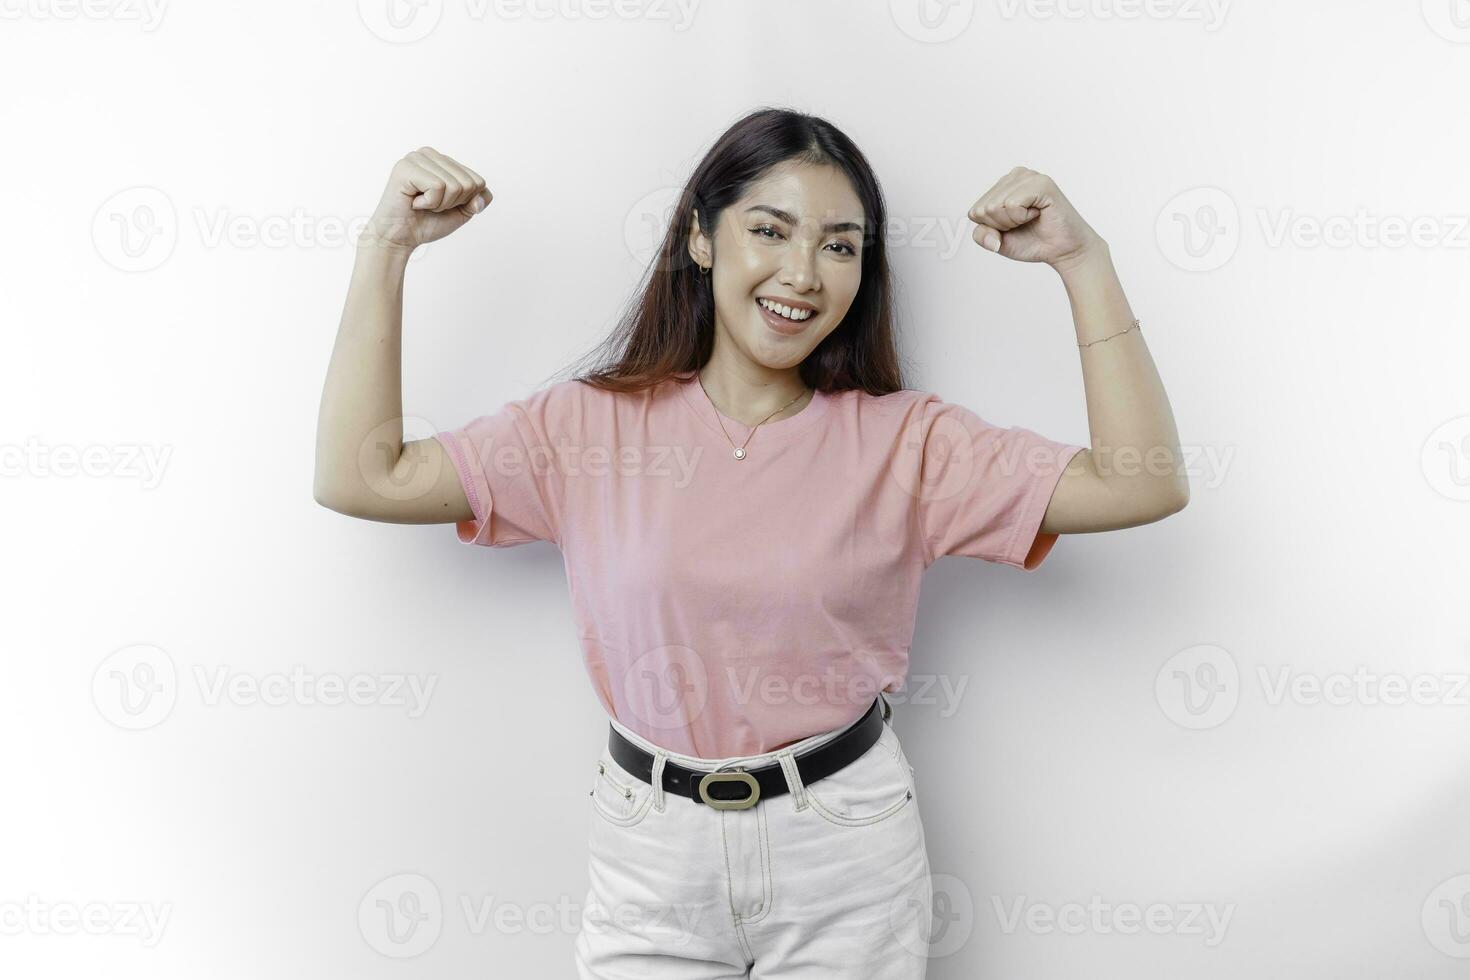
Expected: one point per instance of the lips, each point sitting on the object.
(780, 324)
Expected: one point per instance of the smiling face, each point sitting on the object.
(795, 239)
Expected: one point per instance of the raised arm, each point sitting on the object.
(1133, 473)
(363, 467)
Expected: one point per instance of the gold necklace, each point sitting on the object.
(740, 450)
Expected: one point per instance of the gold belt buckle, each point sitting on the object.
(738, 776)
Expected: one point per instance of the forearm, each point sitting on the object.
(1135, 446)
(362, 397)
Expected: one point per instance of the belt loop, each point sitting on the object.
(657, 778)
(793, 778)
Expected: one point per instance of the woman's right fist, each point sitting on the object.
(428, 196)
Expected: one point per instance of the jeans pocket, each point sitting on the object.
(872, 788)
(618, 796)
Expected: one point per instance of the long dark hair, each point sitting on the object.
(670, 325)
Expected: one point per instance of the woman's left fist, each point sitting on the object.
(1026, 217)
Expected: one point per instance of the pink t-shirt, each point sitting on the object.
(729, 607)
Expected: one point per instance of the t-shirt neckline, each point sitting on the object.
(694, 394)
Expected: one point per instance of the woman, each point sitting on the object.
(746, 496)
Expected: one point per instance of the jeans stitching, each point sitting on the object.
(603, 777)
(632, 819)
(729, 875)
(636, 811)
(793, 781)
(744, 942)
(842, 820)
(766, 884)
(740, 936)
(659, 797)
(839, 820)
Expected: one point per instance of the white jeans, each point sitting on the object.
(829, 881)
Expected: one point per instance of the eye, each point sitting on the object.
(758, 229)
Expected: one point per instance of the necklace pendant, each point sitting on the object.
(739, 452)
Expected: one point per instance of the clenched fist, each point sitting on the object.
(1026, 217)
(428, 196)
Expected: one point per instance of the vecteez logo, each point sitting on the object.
(137, 687)
(932, 21)
(1450, 19)
(1198, 230)
(400, 21)
(401, 916)
(136, 229)
(1199, 687)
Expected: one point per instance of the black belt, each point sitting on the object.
(751, 785)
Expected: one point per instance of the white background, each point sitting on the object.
(1319, 389)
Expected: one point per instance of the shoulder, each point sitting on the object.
(570, 397)
(575, 402)
(910, 418)
(897, 408)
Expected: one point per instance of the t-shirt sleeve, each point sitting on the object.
(509, 472)
(982, 489)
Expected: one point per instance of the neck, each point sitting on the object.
(751, 392)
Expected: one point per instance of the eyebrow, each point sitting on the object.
(826, 229)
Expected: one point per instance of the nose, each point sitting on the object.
(798, 269)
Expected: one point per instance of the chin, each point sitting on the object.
(778, 358)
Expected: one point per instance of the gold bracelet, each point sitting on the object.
(1118, 334)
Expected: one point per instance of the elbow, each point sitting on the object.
(1175, 500)
(326, 500)
(1158, 503)
(332, 488)
(326, 496)
(1134, 503)
(346, 506)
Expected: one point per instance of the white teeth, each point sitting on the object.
(785, 311)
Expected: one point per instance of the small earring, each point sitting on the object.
(703, 270)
